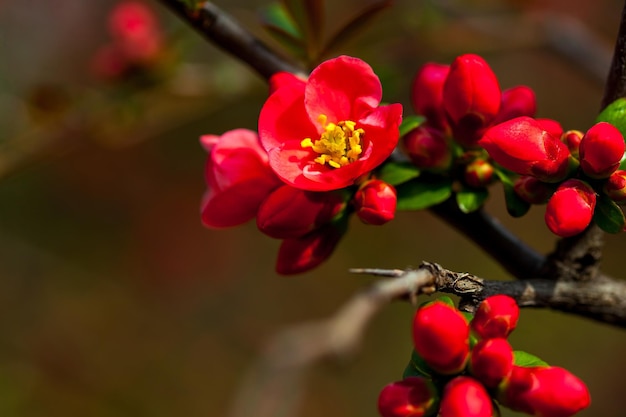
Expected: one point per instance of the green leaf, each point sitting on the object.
(356, 23)
(521, 358)
(409, 123)
(608, 215)
(515, 206)
(417, 367)
(615, 113)
(276, 16)
(471, 199)
(420, 194)
(396, 173)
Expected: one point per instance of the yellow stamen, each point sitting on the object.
(339, 145)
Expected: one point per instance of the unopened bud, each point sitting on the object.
(496, 317)
(441, 337)
(412, 397)
(427, 93)
(491, 361)
(601, 150)
(570, 208)
(572, 139)
(428, 149)
(516, 102)
(375, 202)
(479, 173)
(464, 396)
(615, 186)
(532, 190)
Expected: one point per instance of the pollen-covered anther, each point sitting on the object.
(339, 144)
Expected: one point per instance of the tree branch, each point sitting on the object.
(274, 383)
(223, 31)
(615, 86)
(515, 256)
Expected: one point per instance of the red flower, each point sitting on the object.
(324, 133)
(291, 213)
(570, 208)
(136, 31)
(428, 148)
(491, 361)
(524, 146)
(465, 397)
(496, 317)
(441, 337)
(375, 202)
(471, 97)
(306, 252)
(412, 397)
(238, 176)
(427, 94)
(547, 391)
(516, 102)
(601, 150)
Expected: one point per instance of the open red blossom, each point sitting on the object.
(524, 146)
(238, 176)
(323, 133)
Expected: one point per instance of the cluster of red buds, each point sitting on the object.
(476, 133)
(465, 367)
(137, 43)
(310, 165)
(571, 171)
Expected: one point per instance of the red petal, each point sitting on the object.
(342, 89)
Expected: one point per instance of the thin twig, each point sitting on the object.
(226, 33)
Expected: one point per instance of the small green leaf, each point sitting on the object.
(521, 358)
(409, 123)
(615, 113)
(608, 215)
(420, 194)
(515, 206)
(396, 173)
(417, 367)
(471, 199)
(277, 17)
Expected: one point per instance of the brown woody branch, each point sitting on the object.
(226, 33)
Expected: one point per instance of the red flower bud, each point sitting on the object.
(615, 186)
(412, 397)
(427, 93)
(525, 147)
(479, 173)
(532, 190)
(545, 392)
(290, 212)
(553, 127)
(304, 253)
(375, 202)
(570, 209)
(516, 102)
(441, 337)
(496, 317)
(491, 361)
(428, 149)
(239, 178)
(601, 150)
(465, 397)
(471, 97)
(572, 139)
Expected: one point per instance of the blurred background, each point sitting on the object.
(115, 301)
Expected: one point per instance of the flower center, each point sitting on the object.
(339, 145)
